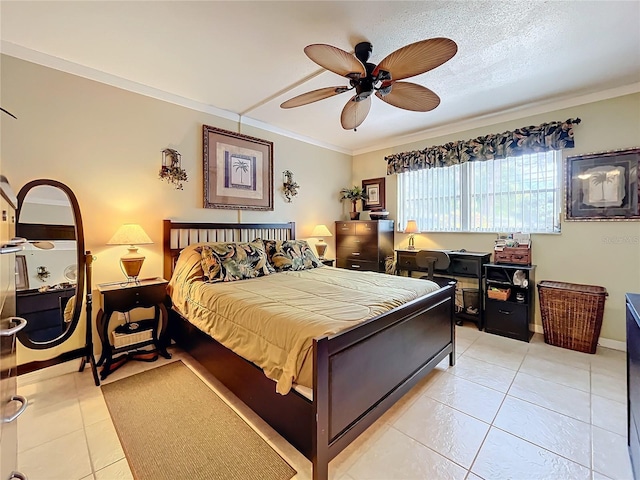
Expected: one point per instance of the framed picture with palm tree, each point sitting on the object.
(603, 186)
(238, 170)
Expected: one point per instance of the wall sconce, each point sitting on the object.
(289, 187)
(171, 169)
(42, 273)
(411, 229)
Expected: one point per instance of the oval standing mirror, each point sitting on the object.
(50, 272)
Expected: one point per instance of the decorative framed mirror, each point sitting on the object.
(52, 267)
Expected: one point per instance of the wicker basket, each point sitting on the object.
(571, 314)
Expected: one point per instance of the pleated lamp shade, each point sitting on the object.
(131, 234)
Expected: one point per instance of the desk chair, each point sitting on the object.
(433, 260)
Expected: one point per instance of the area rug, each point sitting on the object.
(172, 425)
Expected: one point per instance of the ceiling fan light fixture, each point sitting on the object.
(382, 79)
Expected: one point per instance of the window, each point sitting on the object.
(514, 194)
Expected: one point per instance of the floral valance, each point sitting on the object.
(548, 136)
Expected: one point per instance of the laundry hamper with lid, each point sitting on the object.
(571, 314)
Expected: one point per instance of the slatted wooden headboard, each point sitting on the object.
(178, 235)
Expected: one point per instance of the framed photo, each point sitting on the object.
(238, 171)
(374, 188)
(603, 186)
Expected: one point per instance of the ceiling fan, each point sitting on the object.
(383, 79)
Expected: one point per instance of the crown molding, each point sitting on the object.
(515, 113)
(46, 60)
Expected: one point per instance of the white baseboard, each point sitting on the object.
(603, 342)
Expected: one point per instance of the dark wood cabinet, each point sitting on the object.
(44, 312)
(364, 244)
(633, 380)
(509, 302)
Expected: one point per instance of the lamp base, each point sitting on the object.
(321, 247)
(132, 264)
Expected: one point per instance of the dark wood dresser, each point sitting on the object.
(364, 244)
(633, 380)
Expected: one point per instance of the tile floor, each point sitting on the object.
(507, 410)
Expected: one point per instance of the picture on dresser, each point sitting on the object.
(374, 188)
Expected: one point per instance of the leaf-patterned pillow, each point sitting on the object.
(227, 262)
(286, 255)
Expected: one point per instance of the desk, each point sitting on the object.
(463, 264)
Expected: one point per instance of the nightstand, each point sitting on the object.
(328, 261)
(128, 338)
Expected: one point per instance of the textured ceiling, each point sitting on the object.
(247, 57)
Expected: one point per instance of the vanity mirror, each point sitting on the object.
(50, 271)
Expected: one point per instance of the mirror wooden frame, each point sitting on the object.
(59, 234)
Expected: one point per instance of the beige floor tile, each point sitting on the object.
(551, 395)
(462, 344)
(340, 465)
(561, 356)
(396, 456)
(93, 407)
(560, 434)
(54, 371)
(468, 331)
(486, 374)
(468, 397)
(104, 446)
(609, 414)
(65, 458)
(50, 391)
(610, 454)
(116, 471)
(39, 426)
(504, 456)
(608, 386)
(491, 354)
(449, 432)
(473, 476)
(89, 477)
(599, 476)
(610, 362)
(558, 373)
(498, 342)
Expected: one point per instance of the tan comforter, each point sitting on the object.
(272, 320)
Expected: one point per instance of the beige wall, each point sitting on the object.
(105, 144)
(593, 253)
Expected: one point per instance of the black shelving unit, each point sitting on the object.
(510, 317)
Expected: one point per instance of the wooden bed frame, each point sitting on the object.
(358, 373)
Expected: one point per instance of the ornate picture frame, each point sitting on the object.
(238, 170)
(374, 188)
(603, 186)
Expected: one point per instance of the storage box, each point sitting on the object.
(498, 293)
(513, 255)
(571, 314)
(125, 339)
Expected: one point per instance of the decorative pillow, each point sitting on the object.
(227, 262)
(291, 255)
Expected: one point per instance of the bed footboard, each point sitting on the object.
(362, 372)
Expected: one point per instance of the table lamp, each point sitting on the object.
(411, 229)
(131, 234)
(321, 247)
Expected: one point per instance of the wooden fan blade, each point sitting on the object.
(354, 113)
(410, 96)
(313, 96)
(417, 58)
(335, 60)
